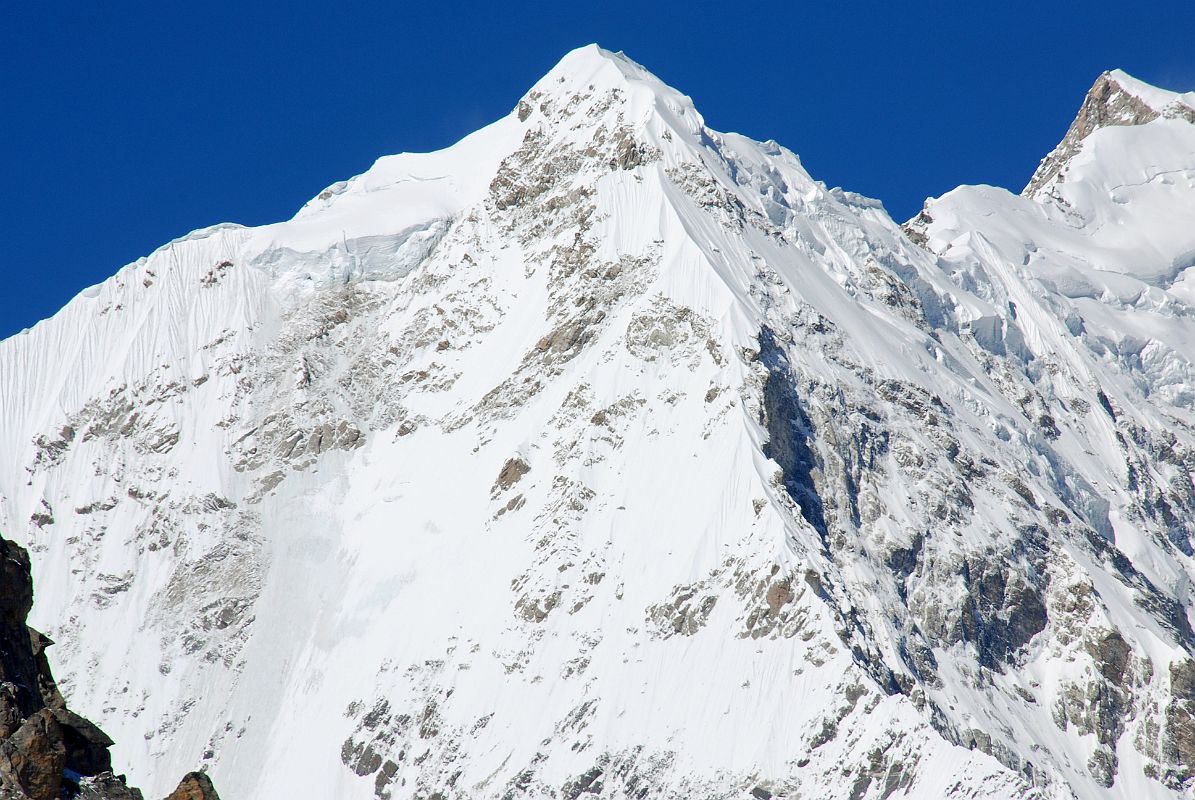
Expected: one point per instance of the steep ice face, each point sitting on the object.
(606, 453)
(1106, 245)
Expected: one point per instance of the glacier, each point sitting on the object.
(602, 454)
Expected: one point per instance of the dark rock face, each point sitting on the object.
(10, 713)
(790, 434)
(34, 758)
(20, 666)
(1178, 743)
(47, 751)
(86, 745)
(1002, 612)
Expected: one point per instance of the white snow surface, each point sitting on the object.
(1160, 100)
(605, 455)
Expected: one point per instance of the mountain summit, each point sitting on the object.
(602, 454)
(1116, 98)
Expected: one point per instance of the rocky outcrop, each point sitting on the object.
(1178, 743)
(47, 751)
(194, 786)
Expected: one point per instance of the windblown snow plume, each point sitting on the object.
(605, 455)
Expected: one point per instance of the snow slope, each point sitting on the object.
(603, 454)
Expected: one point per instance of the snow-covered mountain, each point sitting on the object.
(605, 455)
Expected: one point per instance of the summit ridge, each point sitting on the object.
(1116, 99)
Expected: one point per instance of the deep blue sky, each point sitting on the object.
(121, 129)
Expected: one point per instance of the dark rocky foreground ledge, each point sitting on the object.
(48, 752)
